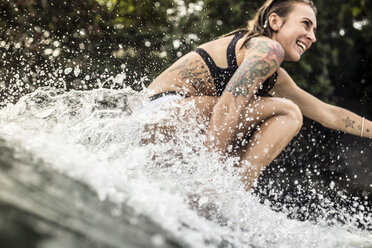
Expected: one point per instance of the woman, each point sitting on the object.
(253, 106)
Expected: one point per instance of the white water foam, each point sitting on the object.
(94, 137)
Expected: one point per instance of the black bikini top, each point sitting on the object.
(221, 76)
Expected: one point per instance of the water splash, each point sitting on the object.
(95, 136)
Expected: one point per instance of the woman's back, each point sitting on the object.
(191, 74)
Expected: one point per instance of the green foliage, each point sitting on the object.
(348, 52)
(102, 38)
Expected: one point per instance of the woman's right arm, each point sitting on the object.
(262, 58)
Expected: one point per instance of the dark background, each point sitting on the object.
(85, 44)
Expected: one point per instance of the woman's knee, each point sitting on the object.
(293, 112)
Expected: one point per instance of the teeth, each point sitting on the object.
(302, 45)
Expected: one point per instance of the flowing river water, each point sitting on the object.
(95, 137)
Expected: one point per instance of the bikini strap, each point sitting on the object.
(209, 61)
(166, 93)
(231, 56)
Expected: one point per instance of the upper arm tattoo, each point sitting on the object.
(264, 59)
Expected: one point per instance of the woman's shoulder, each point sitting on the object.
(263, 43)
(218, 41)
(264, 46)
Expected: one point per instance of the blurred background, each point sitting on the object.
(89, 44)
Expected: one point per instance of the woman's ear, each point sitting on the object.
(275, 21)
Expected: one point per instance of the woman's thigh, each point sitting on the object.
(263, 108)
(258, 113)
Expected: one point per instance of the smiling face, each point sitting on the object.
(296, 32)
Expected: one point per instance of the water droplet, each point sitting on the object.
(77, 71)
(68, 70)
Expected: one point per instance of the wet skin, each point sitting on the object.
(257, 128)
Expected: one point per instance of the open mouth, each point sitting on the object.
(301, 45)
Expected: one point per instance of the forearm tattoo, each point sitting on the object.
(264, 60)
(194, 72)
(349, 122)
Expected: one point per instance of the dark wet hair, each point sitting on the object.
(259, 25)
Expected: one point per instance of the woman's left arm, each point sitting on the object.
(328, 115)
(349, 122)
